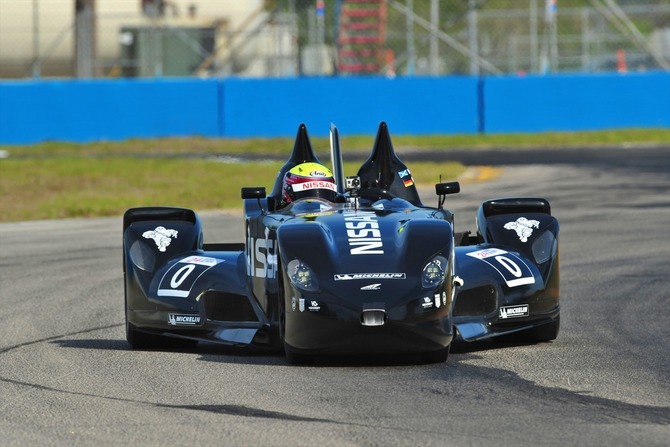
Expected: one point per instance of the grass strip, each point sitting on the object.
(61, 180)
(66, 187)
(282, 146)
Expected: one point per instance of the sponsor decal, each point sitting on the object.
(314, 306)
(523, 227)
(161, 236)
(427, 302)
(357, 276)
(301, 304)
(261, 258)
(487, 253)
(408, 183)
(438, 301)
(178, 280)
(293, 303)
(183, 320)
(511, 267)
(514, 311)
(363, 233)
(201, 260)
(318, 184)
(444, 298)
(372, 287)
(317, 173)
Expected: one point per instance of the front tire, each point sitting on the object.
(292, 357)
(141, 340)
(439, 356)
(546, 332)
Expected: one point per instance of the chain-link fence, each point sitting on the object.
(219, 38)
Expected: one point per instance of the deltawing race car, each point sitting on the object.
(372, 271)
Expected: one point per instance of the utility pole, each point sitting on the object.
(84, 42)
(36, 40)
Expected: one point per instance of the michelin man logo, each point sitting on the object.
(523, 227)
(161, 236)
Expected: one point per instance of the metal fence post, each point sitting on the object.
(473, 38)
(434, 28)
(411, 52)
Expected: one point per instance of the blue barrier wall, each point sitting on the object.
(272, 107)
(107, 110)
(80, 111)
(576, 102)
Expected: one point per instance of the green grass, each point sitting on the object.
(62, 180)
(64, 187)
(282, 146)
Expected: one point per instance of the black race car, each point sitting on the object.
(367, 270)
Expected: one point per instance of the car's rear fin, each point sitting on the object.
(157, 213)
(516, 205)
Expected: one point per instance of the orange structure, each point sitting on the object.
(361, 36)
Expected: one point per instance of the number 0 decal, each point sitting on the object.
(179, 279)
(511, 267)
(181, 275)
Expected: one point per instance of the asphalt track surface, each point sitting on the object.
(67, 376)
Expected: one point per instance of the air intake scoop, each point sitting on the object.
(373, 314)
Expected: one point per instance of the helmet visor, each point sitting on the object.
(311, 188)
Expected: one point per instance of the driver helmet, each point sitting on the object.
(309, 180)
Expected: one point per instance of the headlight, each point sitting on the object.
(301, 276)
(433, 272)
(543, 247)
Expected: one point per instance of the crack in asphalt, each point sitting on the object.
(232, 410)
(572, 403)
(56, 337)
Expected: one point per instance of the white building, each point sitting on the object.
(41, 38)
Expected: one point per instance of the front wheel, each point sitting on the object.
(143, 341)
(546, 332)
(292, 357)
(439, 356)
